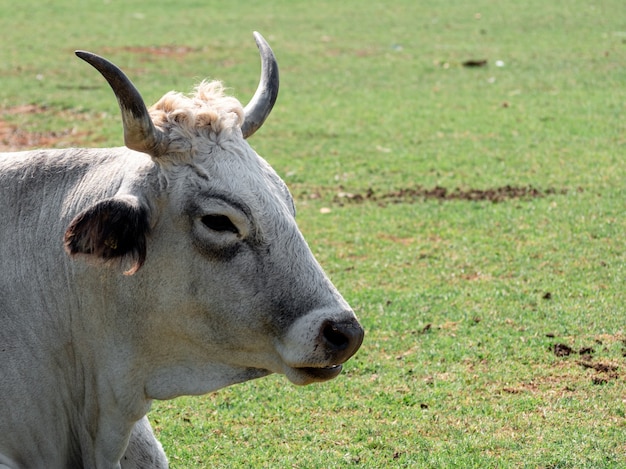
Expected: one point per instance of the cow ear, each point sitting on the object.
(112, 229)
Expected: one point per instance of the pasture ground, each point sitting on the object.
(472, 213)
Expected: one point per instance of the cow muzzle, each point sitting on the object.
(316, 346)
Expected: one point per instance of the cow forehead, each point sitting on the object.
(207, 151)
(233, 169)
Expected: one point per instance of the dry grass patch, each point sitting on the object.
(16, 131)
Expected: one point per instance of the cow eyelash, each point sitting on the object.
(219, 223)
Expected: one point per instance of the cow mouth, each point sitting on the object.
(309, 374)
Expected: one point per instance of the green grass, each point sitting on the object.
(462, 301)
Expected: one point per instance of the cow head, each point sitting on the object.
(229, 288)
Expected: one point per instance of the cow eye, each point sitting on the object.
(219, 223)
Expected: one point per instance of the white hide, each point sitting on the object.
(85, 349)
(143, 451)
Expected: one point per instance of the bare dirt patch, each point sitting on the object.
(600, 367)
(419, 193)
(574, 368)
(14, 138)
(562, 350)
(604, 370)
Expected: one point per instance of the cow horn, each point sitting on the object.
(261, 104)
(140, 134)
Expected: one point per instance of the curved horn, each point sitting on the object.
(140, 134)
(262, 102)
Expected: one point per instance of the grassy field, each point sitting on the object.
(474, 216)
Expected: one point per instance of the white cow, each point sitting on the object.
(220, 286)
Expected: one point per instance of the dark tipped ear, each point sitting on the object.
(113, 229)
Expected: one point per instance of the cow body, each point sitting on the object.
(220, 287)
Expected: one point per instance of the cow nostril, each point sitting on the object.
(335, 337)
(341, 339)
